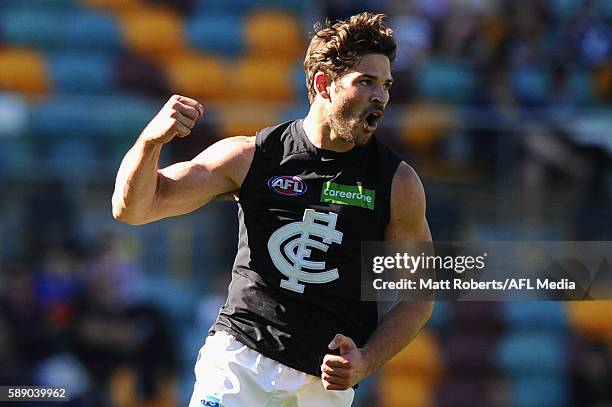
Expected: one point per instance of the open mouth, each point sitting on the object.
(372, 118)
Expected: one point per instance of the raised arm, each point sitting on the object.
(144, 193)
(406, 318)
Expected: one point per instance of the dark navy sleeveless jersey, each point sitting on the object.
(303, 214)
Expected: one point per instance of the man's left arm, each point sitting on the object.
(404, 320)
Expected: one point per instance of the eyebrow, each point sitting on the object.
(390, 80)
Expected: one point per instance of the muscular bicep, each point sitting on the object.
(218, 170)
(407, 219)
(185, 186)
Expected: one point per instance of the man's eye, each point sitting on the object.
(387, 86)
(365, 82)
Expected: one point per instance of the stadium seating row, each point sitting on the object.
(153, 31)
(118, 116)
(79, 134)
(197, 6)
(245, 78)
(113, 114)
(208, 77)
(527, 344)
(561, 9)
(566, 9)
(523, 342)
(456, 81)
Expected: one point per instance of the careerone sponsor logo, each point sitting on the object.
(353, 195)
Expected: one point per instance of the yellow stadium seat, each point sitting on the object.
(153, 32)
(425, 123)
(113, 5)
(405, 392)
(263, 79)
(121, 387)
(197, 75)
(603, 82)
(274, 33)
(422, 127)
(421, 358)
(409, 378)
(592, 319)
(244, 119)
(23, 71)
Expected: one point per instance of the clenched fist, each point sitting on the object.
(176, 118)
(341, 372)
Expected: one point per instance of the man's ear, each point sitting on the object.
(322, 84)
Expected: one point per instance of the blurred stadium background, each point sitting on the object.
(503, 107)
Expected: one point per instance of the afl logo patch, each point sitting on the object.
(287, 185)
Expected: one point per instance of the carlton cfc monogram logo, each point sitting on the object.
(297, 250)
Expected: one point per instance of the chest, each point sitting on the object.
(350, 194)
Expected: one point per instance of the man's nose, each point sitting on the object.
(380, 96)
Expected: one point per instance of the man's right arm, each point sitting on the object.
(143, 193)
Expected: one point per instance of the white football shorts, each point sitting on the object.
(230, 374)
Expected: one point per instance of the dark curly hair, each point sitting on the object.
(338, 47)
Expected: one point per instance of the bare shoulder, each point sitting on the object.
(407, 191)
(230, 157)
(407, 213)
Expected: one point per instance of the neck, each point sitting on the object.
(319, 132)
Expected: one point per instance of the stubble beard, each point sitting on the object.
(347, 125)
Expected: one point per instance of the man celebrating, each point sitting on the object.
(293, 331)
